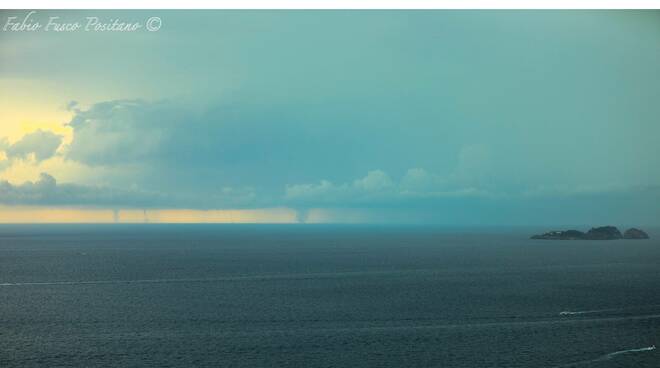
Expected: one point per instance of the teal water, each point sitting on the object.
(323, 296)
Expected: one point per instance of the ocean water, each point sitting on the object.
(323, 296)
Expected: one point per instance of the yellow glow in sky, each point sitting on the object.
(25, 107)
(29, 214)
(31, 108)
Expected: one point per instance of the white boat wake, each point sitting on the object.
(574, 313)
(607, 356)
(577, 313)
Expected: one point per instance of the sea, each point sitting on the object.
(231, 295)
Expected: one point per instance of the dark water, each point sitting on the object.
(323, 296)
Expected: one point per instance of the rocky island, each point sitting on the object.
(634, 233)
(595, 233)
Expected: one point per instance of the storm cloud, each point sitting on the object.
(454, 117)
(46, 191)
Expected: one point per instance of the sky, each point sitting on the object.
(433, 117)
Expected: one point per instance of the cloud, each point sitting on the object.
(461, 113)
(418, 179)
(180, 146)
(376, 180)
(246, 154)
(124, 131)
(46, 191)
(39, 145)
(169, 146)
(376, 188)
(4, 164)
(423, 197)
(416, 188)
(420, 196)
(387, 200)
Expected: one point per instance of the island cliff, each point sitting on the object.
(595, 233)
(634, 233)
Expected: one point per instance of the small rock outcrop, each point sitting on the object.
(634, 233)
(595, 233)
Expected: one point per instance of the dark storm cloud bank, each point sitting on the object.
(407, 201)
(235, 155)
(48, 192)
(171, 146)
(381, 203)
(446, 116)
(177, 148)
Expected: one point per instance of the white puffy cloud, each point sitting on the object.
(379, 189)
(376, 180)
(39, 145)
(324, 188)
